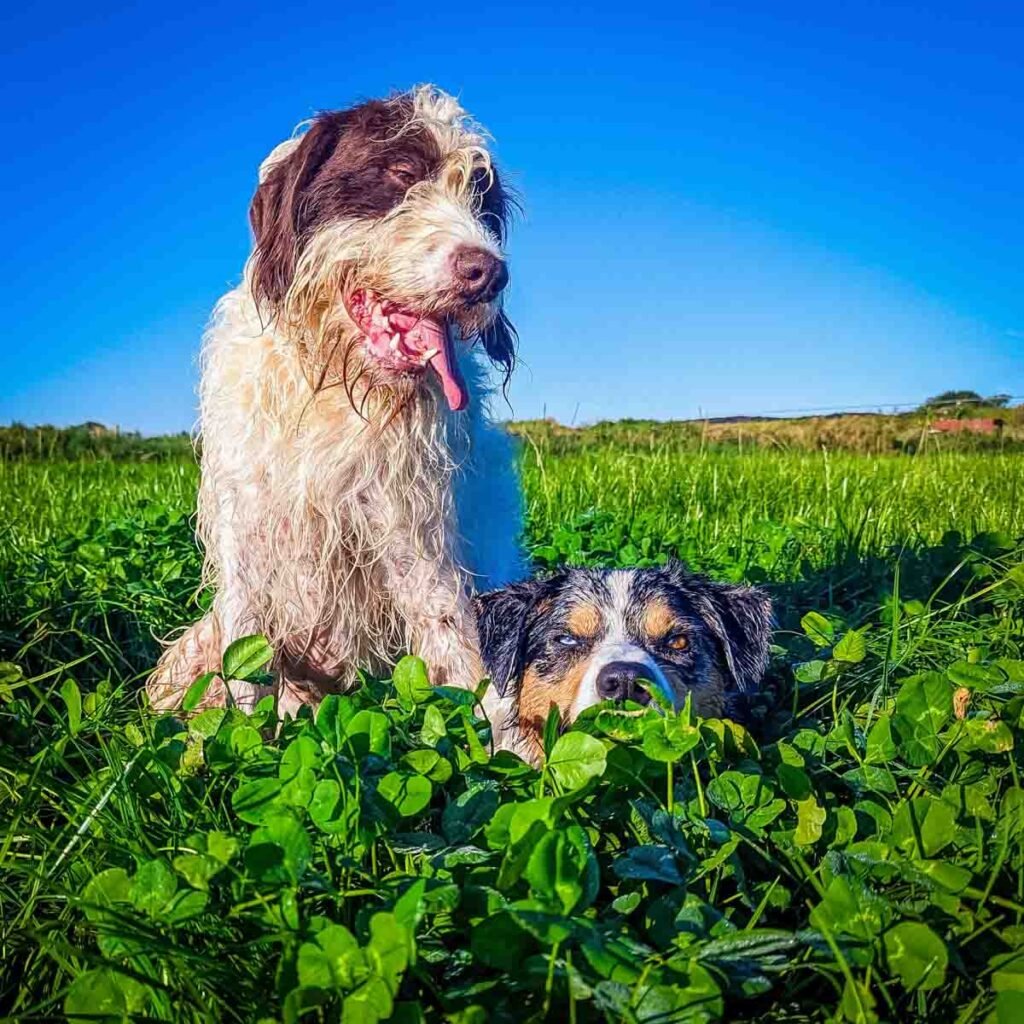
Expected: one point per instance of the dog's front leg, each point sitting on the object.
(432, 597)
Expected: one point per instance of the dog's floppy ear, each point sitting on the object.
(502, 622)
(500, 340)
(276, 207)
(739, 616)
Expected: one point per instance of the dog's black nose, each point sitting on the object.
(618, 681)
(479, 275)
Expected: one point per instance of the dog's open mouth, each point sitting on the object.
(407, 342)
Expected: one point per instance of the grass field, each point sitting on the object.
(856, 854)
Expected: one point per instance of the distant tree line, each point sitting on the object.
(963, 403)
(88, 441)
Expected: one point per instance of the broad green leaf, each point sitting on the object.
(881, 748)
(817, 628)
(406, 792)
(105, 994)
(649, 863)
(197, 691)
(429, 763)
(924, 705)
(666, 738)
(253, 801)
(923, 827)
(468, 813)
(917, 955)
(562, 870)
(411, 680)
(852, 647)
(974, 677)
(576, 759)
(811, 816)
(850, 908)
(245, 657)
(434, 729)
(280, 849)
(153, 887)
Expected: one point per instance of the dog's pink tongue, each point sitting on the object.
(438, 336)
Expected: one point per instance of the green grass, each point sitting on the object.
(858, 854)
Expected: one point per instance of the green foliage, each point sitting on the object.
(856, 853)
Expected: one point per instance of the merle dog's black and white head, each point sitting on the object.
(582, 636)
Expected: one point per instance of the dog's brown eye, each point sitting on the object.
(404, 174)
(677, 642)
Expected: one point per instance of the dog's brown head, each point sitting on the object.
(583, 636)
(379, 235)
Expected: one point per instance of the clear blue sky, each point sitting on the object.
(729, 208)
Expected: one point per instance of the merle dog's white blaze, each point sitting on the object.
(617, 645)
(608, 653)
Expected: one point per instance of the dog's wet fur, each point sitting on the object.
(582, 636)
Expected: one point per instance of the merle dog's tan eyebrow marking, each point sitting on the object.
(585, 620)
(658, 619)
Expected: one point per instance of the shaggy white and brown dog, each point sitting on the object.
(354, 493)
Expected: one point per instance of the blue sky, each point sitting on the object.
(728, 208)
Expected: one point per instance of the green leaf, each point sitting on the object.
(850, 908)
(499, 941)
(809, 671)
(562, 871)
(367, 732)
(881, 748)
(852, 648)
(817, 628)
(280, 850)
(153, 887)
(253, 801)
(917, 955)
(105, 993)
(406, 792)
(329, 809)
(434, 729)
(980, 678)
(924, 826)
(811, 816)
(197, 691)
(429, 763)
(668, 739)
(221, 846)
(197, 869)
(73, 702)
(468, 813)
(104, 890)
(412, 682)
(924, 705)
(649, 863)
(245, 657)
(576, 759)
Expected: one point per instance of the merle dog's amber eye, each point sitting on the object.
(677, 642)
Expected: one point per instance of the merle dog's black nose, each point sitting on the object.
(479, 275)
(618, 681)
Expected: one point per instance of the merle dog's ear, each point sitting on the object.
(502, 621)
(276, 209)
(739, 616)
(500, 341)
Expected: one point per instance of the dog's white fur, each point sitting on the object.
(348, 540)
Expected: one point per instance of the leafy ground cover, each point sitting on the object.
(855, 853)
